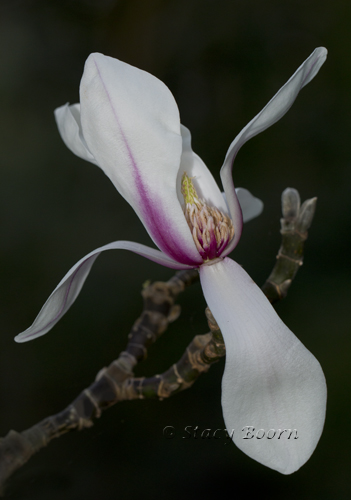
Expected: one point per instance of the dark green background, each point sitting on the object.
(223, 60)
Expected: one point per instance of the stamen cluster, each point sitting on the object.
(211, 229)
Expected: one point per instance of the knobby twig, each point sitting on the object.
(117, 383)
(296, 221)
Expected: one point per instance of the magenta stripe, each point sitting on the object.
(159, 225)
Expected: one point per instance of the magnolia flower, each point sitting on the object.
(128, 124)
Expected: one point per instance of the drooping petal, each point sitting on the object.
(204, 183)
(270, 114)
(271, 381)
(70, 128)
(70, 286)
(251, 206)
(131, 125)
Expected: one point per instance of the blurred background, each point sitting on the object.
(223, 60)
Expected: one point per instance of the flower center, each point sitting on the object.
(212, 230)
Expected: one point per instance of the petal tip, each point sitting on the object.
(22, 337)
(322, 52)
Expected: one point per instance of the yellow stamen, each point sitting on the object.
(188, 190)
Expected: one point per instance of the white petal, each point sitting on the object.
(69, 125)
(70, 286)
(205, 185)
(131, 125)
(271, 113)
(251, 206)
(271, 381)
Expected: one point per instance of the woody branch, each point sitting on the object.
(117, 383)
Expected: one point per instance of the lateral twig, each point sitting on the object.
(110, 385)
(295, 224)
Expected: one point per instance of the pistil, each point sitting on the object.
(211, 229)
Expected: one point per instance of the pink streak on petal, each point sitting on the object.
(158, 224)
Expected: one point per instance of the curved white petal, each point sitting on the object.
(271, 381)
(131, 125)
(70, 286)
(69, 125)
(205, 185)
(251, 206)
(271, 113)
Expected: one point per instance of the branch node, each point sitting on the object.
(174, 313)
(180, 379)
(299, 262)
